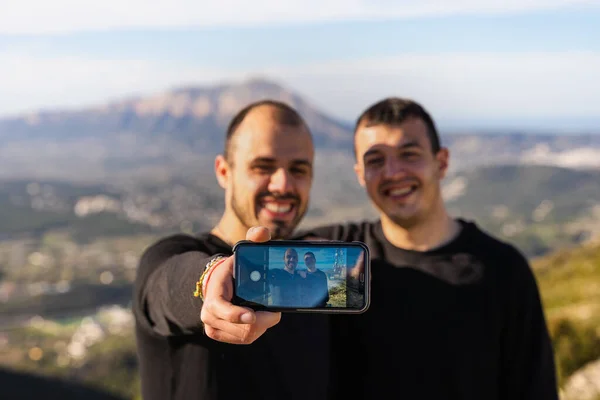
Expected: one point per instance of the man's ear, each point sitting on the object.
(443, 158)
(360, 174)
(222, 171)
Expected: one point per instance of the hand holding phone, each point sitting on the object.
(302, 276)
(224, 321)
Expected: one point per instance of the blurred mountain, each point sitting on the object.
(145, 164)
(164, 132)
(194, 116)
(179, 131)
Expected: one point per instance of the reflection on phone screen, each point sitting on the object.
(313, 276)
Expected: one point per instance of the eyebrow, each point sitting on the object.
(406, 145)
(271, 160)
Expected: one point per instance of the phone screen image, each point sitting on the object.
(296, 275)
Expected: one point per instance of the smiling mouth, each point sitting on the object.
(400, 192)
(278, 209)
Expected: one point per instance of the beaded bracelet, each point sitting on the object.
(209, 266)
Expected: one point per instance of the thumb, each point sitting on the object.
(258, 234)
(267, 319)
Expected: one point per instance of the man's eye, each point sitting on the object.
(262, 168)
(299, 171)
(374, 161)
(411, 155)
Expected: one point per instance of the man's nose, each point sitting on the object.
(393, 168)
(281, 182)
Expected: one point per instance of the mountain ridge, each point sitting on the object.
(173, 111)
(177, 131)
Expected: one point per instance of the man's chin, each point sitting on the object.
(279, 230)
(405, 220)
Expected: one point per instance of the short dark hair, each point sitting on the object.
(290, 250)
(394, 111)
(284, 114)
(310, 253)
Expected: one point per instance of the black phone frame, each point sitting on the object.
(305, 243)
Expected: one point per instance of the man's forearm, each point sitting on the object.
(171, 306)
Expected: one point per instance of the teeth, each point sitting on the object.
(400, 192)
(281, 208)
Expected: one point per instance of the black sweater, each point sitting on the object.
(177, 361)
(460, 322)
(463, 321)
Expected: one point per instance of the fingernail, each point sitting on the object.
(247, 318)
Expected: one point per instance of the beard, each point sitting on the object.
(246, 214)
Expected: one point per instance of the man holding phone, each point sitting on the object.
(187, 339)
(470, 319)
(285, 283)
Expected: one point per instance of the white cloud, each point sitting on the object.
(584, 157)
(29, 83)
(64, 16)
(471, 85)
(458, 85)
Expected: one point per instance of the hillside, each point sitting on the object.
(522, 188)
(82, 193)
(100, 349)
(32, 208)
(569, 282)
(539, 208)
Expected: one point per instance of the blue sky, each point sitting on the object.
(491, 64)
(324, 257)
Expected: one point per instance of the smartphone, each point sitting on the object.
(302, 276)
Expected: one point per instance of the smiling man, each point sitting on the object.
(266, 173)
(470, 318)
(258, 191)
(401, 165)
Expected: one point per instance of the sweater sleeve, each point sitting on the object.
(527, 361)
(164, 303)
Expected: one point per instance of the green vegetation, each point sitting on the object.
(84, 297)
(35, 209)
(96, 258)
(539, 208)
(337, 296)
(569, 282)
(108, 362)
(523, 188)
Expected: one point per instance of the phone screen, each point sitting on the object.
(299, 275)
